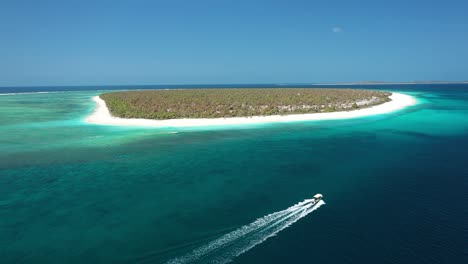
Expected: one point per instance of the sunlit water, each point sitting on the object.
(395, 185)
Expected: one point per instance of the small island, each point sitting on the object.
(219, 107)
(223, 103)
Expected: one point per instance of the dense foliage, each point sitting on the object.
(213, 103)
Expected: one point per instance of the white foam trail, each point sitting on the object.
(231, 245)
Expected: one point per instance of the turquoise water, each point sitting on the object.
(394, 185)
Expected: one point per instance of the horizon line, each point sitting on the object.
(276, 84)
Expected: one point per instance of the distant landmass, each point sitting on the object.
(383, 82)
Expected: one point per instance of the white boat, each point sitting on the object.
(316, 198)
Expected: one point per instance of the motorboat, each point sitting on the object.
(316, 198)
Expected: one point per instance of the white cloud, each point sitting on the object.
(337, 30)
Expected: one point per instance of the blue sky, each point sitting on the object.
(220, 41)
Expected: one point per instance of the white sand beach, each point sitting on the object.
(102, 115)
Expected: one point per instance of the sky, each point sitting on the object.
(137, 42)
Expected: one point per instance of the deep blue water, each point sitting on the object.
(395, 185)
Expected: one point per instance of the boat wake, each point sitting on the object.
(231, 245)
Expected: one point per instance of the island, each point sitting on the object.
(217, 103)
(194, 107)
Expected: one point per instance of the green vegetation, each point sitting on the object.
(215, 103)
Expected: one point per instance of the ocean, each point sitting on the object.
(394, 185)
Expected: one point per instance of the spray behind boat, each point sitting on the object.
(225, 248)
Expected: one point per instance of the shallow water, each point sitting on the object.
(394, 185)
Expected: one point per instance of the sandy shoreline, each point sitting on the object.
(102, 115)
